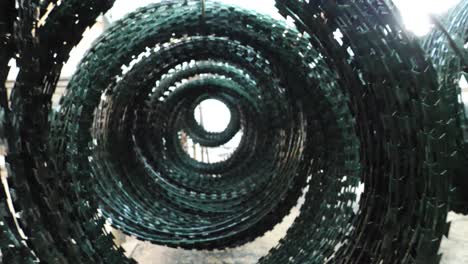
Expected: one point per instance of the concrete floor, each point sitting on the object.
(454, 248)
(147, 253)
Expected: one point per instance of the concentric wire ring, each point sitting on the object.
(345, 101)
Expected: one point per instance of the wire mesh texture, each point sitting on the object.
(344, 97)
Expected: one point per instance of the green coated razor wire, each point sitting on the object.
(345, 106)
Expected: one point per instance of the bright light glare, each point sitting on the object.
(464, 95)
(213, 115)
(416, 12)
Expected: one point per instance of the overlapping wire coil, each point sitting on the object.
(447, 46)
(343, 100)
